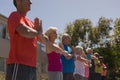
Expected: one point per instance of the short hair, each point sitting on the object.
(88, 49)
(49, 31)
(79, 48)
(14, 2)
(96, 54)
(64, 36)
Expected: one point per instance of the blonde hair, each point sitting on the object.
(50, 30)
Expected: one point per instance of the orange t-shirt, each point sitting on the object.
(104, 72)
(22, 50)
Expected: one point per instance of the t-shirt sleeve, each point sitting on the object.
(14, 21)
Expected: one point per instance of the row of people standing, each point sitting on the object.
(97, 69)
(60, 57)
(79, 66)
(76, 66)
(24, 34)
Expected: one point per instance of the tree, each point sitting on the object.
(104, 28)
(104, 25)
(117, 30)
(78, 30)
(111, 54)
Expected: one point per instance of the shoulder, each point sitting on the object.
(61, 45)
(14, 14)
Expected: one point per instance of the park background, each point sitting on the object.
(96, 22)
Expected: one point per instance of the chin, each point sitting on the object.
(29, 9)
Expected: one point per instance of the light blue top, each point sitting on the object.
(68, 65)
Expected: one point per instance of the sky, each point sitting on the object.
(59, 13)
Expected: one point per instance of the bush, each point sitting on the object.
(112, 60)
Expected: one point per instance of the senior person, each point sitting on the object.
(68, 63)
(54, 53)
(21, 63)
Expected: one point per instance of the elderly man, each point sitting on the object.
(21, 63)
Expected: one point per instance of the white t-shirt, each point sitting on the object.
(79, 67)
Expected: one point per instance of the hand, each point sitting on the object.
(73, 49)
(68, 56)
(38, 25)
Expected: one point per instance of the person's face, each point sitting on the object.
(80, 51)
(53, 35)
(90, 51)
(24, 5)
(67, 40)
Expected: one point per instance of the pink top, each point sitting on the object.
(54, 62)
(86, 71)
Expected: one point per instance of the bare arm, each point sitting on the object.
(72, 53)
(82, 59)
(56, 48)
(28, 32)
(52, 46)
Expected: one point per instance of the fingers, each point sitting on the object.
(38, 24)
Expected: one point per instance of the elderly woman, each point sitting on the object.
(81, 65)
(53, 54)
(68, 63)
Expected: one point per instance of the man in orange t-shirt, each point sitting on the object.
(21, 63)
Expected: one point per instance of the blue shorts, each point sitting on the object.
(20, 72)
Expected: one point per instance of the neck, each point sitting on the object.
(22, 12)
(52, 41)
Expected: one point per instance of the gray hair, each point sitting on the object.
(88, 49)
(64, 36)
(79, 48)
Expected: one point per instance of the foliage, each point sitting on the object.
(112, 59)
(117, 30)
(117, 26)
(111, 52)
(77, 30)
(104, 26)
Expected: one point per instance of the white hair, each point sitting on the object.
(64, 36)
(79, 48)
(88, 49)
